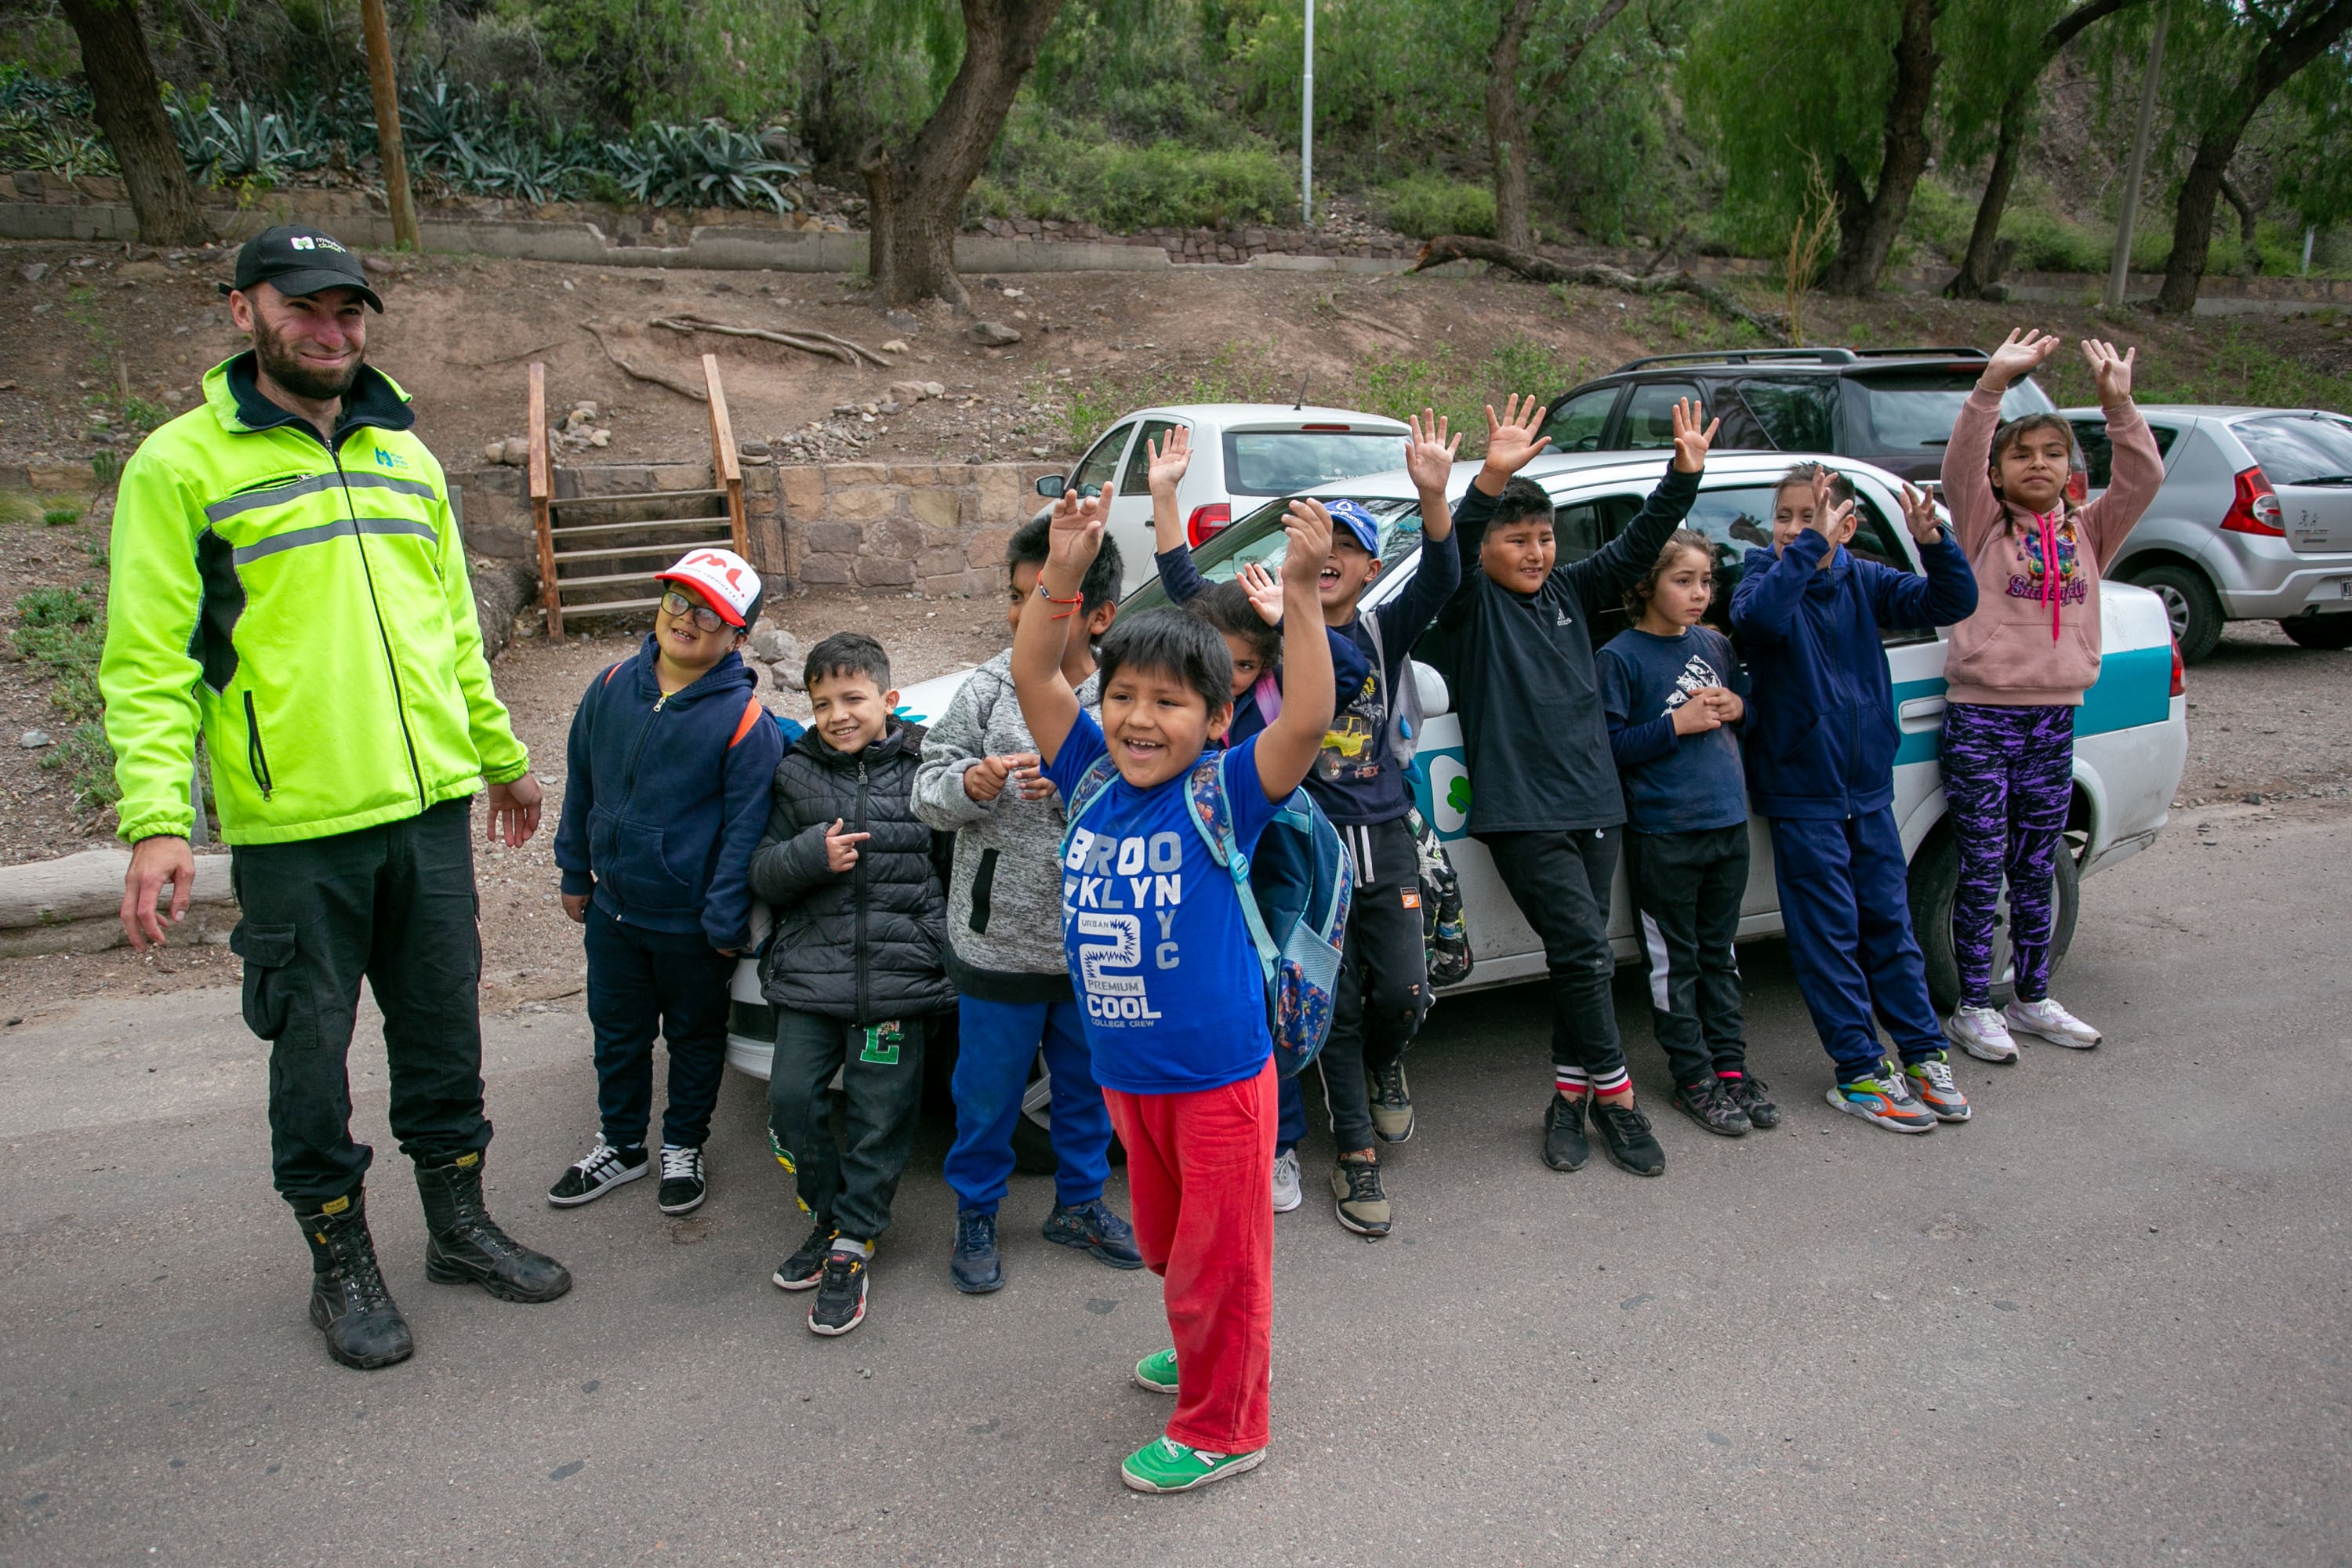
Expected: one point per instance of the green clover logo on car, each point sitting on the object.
(1457, 795)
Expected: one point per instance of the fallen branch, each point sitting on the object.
(807, 342)
(1537, 269)
(1333, 307)
(658, 377)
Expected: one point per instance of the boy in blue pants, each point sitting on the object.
(979, 780)
(1821, 770)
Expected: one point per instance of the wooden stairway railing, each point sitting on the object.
(593, 546)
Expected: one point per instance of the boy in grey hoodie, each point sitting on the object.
(980, 781)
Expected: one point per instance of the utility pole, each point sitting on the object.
(386, 92)
(2119, 272)
(2310, 233)
(1306, 128)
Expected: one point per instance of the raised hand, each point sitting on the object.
(1075, 535)
(1513, 439)
(1691, 442)
(2023, 353)
(1919, 514)
(1264, 591)
(1169, 459)
(2110, 372)
(841, 849)
(1829, 519)
(1428, 455)
(1309, 528)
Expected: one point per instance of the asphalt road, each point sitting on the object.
(2106, 1323)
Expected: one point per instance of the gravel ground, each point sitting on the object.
(2264, 721)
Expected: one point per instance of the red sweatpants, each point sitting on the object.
(1200, 1174)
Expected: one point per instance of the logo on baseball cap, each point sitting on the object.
(1361, 524)
(728, 582)
(297, 260)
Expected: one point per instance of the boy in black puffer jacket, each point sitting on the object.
(855, 965)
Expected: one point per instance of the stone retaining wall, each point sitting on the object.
(939, 529)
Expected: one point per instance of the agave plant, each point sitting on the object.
(712, 164)
(248, 142)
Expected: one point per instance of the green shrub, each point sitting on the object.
(61, 516)
(1168, 184)
(1940, 219)
(1426, 205)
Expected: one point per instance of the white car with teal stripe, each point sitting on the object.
(2131, 736)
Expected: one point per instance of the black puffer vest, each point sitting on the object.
(864, 945)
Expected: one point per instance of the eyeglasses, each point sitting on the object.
(678, 604)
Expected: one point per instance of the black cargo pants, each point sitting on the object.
(395, 905)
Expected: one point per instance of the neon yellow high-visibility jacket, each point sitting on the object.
(310, 608)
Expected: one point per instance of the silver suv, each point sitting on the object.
(2254, 521)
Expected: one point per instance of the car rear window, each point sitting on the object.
(1737, 519)
(1796, 416)
(1284, 462)
(1915, 412)
(2099, 453)
(2299, 449)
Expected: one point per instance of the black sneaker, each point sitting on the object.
(1748, 1092)
(1626, 1139)
(1709, 1103)
(802, 1271)
(840, 1304)
(1565, 1147)
(1391, 1098)
(1356, 1196)
(597, 1173)
(975, 1265)
(683, 1184)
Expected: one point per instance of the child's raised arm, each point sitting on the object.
(1048, 706)
(1286, 748)
(2136, 468)
(1967, 467)
(1172, 554)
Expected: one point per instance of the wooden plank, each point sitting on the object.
(574, 531)
(726, 463)
(635, 495)
(613, 607)
(542, 491)
(612, 551)
(616, 577)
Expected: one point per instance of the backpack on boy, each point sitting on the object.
(1295, 893)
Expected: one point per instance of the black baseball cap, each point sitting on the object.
(297, 259)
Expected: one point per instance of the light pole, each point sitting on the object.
(2119, 270)
(1306, 127)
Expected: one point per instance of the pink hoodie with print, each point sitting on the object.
(2034, 639)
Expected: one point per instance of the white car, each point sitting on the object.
(1242, 454)
(2131, 735)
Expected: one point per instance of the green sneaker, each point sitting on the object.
(1164, 1465)
(1157, 1371)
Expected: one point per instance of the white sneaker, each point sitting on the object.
(1979, 1032)
(1286, 1194)
(2051, 1022)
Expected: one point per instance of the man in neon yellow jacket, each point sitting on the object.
(288, 577)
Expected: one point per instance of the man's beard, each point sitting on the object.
(280, 364)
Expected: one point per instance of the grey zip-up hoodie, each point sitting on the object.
(1004, 898)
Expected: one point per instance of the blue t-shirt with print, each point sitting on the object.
(1161, 958)
(1673, 784)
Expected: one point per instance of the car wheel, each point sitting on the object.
(2319, 631)
(1936, 877)
(1032, 1130)
(2189, 603)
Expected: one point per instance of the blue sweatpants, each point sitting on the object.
(1845, 901)
(1289, 1116)
(999, 1041)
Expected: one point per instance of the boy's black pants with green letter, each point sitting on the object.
(883, 1081)
(393, 904)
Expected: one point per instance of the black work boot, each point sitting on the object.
(464, 1245)
(349, 1303)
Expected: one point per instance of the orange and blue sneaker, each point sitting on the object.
(1932, 1085)
(1883, 1098)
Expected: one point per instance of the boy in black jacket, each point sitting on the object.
(1543, 786)
(854, 967)
(666, 790)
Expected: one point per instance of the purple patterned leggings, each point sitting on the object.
(2009, 779)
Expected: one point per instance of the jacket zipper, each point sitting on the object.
(629, 778)
(392, 668)
(256, 761)
(858, 881)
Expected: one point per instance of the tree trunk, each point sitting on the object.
(2247, 237)
(2288, 50)
(1982, 267)
(1868, 224)
(129, 109)
(1506, 125)
(916, 192)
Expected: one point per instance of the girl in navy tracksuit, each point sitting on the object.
(1821, 769)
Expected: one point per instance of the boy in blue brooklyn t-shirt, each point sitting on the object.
(1671, 692)
(1167, 975)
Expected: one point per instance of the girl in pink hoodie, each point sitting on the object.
(2016, 669)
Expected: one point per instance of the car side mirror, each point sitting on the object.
(1051, 486)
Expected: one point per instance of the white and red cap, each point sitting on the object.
(728, 582)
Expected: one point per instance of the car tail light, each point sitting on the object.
(2255, 509)
(1205, 523)
(2078, 486)
(2180, 685)
(1327, 429)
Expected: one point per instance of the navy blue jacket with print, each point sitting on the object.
(1821, 710)
(664, 798)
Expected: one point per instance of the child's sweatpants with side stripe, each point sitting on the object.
(1686, 891)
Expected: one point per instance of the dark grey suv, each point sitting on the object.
(1892, 407)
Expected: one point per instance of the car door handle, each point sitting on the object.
(1920, 713)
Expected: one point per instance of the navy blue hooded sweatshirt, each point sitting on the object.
(1821, 712)
(666, 797)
